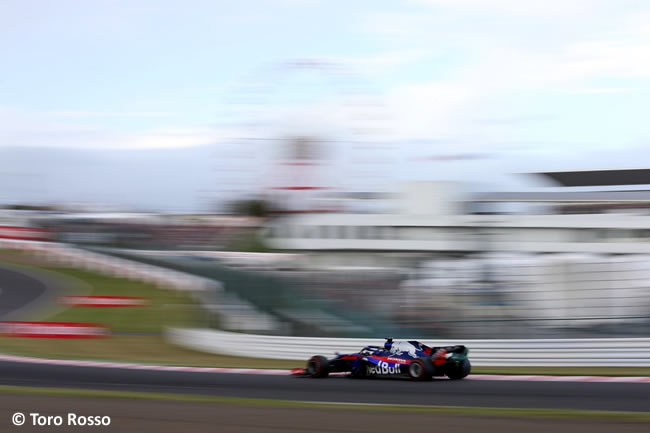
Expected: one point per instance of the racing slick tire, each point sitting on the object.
(420, 369)
(318, 367)
(461, 371)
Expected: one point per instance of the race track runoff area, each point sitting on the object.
(129, 415)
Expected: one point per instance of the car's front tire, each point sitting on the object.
(420, 369)
(318, 366)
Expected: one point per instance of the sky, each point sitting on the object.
(525, 85)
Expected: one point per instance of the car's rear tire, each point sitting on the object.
(420, 369)
(318, 367)
(461, 371)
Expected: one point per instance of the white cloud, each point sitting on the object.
(546, 8)
(100, 114)
(384, 62)
(165, 138)
(601, 90)
(429, 109)
(494, 61)
(59, 129)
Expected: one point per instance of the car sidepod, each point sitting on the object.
(380, 366)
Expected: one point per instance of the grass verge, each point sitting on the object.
(138, 349)
(137, 330)
(452, 410)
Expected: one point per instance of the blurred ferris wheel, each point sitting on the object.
(303, 133)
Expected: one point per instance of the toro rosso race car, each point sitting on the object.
(396, 358)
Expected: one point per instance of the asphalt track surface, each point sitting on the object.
(155, 416)
(507, 394)
(18, 289)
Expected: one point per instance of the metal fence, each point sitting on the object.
(479, 297)
(603, 352)
(554, 295)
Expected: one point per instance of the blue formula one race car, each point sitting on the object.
(396, 358)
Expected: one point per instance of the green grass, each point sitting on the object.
(138, 330)
(130, 348)
(167, 307)
(452, 410)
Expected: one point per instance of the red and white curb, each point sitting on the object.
(132, 366)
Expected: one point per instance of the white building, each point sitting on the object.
(533, 261)
(436, 217)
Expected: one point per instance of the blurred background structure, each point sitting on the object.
(442, 262)
(198, 196)
(302, 132)
(372, 179)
